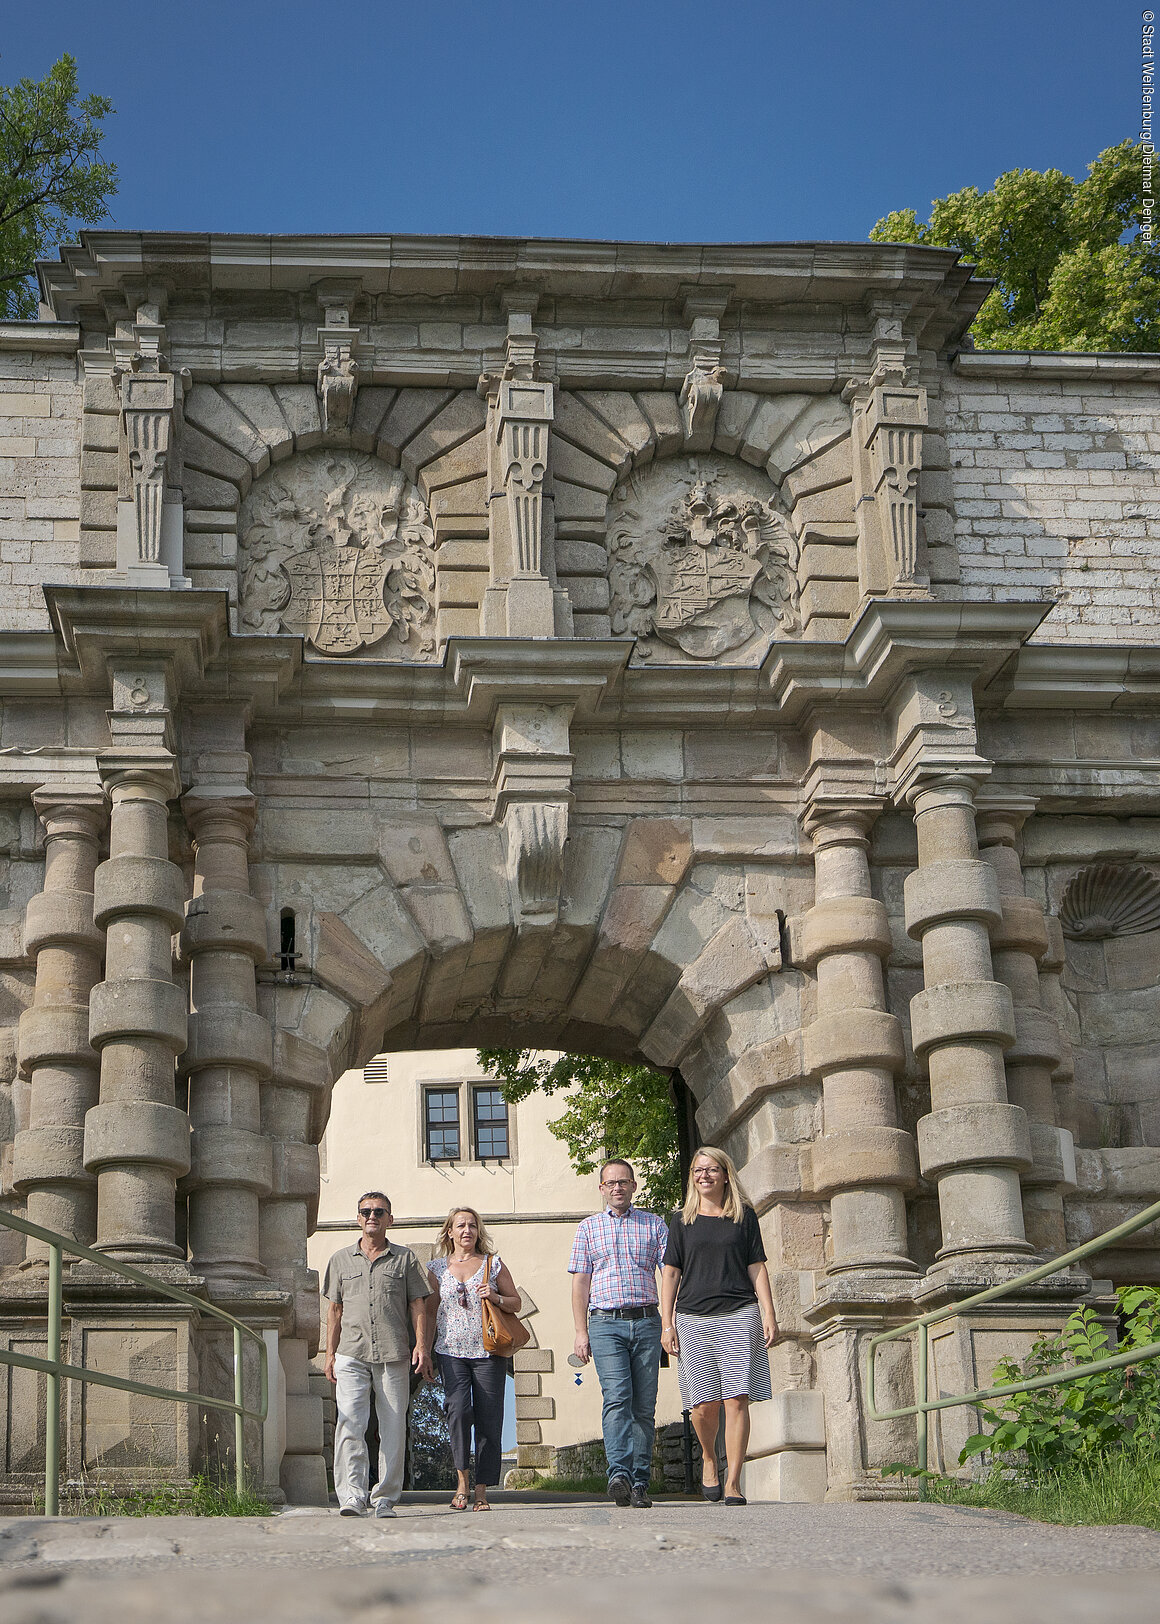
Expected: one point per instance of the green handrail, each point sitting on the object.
(54, 1369)
(924, 1405)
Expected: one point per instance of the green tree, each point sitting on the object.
(614, 1110)
(52, 178)
(1065, 279)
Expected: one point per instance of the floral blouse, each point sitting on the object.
(459, 1325)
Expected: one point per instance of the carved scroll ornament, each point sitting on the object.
(339, 549)
(702, 560)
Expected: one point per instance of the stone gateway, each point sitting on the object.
(697, 655)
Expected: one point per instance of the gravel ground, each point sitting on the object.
(869, 1562)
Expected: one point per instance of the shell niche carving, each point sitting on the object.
(702, 561)
(338, 548)
(1110, 899)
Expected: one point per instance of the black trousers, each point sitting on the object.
(475, 1392)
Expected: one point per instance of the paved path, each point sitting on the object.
(580, 1561)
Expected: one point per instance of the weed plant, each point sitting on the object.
(1084, 1452)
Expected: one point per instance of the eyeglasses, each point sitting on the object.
(372, 1212)
(618, 1184)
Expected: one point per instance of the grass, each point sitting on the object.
(1124, 1488)
(200, 1497)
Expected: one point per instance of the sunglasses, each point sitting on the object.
(372, 1212)
(461, 1291)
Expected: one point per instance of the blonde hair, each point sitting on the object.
(733, 1200)
(445, 1245)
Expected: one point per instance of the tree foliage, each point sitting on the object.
(52, 178)
(428, 1443)
(1065, 279)
(614, 1109)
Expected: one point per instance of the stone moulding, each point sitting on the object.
(1110, 899)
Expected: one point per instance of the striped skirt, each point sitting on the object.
(722, 1356)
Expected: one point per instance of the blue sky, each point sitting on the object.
(651, 119)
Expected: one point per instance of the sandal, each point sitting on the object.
(481, 1505)
(459, 1502)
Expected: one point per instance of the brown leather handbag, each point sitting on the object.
(503, 1333)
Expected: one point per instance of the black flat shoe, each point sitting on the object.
(711, 1491)
(736, 1500)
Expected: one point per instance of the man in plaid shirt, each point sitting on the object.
(614, 1263)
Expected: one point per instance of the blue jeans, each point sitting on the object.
(627, 1356)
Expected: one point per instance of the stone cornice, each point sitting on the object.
(41, 337)
(1065, 366)
(892, 637)
(1078, 676)
(932, 280)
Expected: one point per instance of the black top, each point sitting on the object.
(713, 1255)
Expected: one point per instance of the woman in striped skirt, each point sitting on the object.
(717, 1314)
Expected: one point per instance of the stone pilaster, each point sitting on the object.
(974, 1144)
(523, 597)
(62, 1067)
(864, 1161)
(889, 416)
(1018, 944)
(229, 1051)
(136, 1140)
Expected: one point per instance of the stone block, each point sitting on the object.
(527, 1384)
(794, 1419)
(535, 1409)
(303, 1424)
(527, 1359)
(797, 1475)
(303, 1480)
(953, 888)
(529, 1432)
(853, 1038)
(965, 1135)
(863, 1156)
(962, 1011)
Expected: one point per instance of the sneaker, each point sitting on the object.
(352, 1511)
(384, 1509)
(640, 1497)
(619, 1490)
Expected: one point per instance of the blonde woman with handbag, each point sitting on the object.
(717, 1314)
(465, 1274)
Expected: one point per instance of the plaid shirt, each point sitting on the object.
(622, 1255)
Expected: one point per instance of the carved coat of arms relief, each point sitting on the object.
(702, 561)
(339, 548)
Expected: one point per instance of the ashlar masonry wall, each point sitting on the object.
(1056, 472)
(40, 487)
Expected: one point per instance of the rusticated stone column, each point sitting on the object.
(62, 1067)
(136, 1140)
(229, 1051)
(975, 1142)
(864, 1161)
(1018, 943)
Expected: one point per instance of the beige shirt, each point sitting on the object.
(375, 1299)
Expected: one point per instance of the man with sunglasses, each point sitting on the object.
(371, 1288)
(614, 1263)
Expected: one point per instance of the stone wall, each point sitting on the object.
(1056, 472)
(40, 487)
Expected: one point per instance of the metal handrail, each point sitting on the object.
(54, 1369)
(924, 1405)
